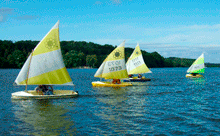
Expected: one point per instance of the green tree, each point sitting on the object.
(82, 60)
(74, 59)
(91, 60)
(16, 59)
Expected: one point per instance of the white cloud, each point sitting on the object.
(108, 41)
(195, 34)
(1, 18)
(4, 12)
(27, 17)
(98, 3)
(116, 1)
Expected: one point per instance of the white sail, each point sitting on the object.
(136, 64)
(197, 66)
(45, 65)
(114, 65)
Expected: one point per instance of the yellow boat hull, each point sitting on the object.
(109, 84)
(192, 76)
(32, 94)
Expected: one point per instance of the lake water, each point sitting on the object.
(170, 104)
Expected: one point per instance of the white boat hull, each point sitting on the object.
(32, 94)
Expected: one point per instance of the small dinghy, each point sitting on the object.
(197, 67)
(45, 66)
(136, 65)
(113, 67)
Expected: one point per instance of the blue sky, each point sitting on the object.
(173, 28)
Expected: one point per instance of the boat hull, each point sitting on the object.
(192, 76)
(109, 84)
(137, 81)
(32, 94)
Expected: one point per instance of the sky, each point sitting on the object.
(173, 28)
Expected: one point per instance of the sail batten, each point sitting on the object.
(136, 64)
(46, 66)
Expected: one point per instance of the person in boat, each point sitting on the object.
(131, 76)
(44, 90)
(116, 81)
(140, 76)
(194, 74)
(47, 90)
(39, 89)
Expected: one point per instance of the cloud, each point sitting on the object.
(27, 17)
(193, 35)
(1, 18)
(98, 3)
(117, 2)
(108, 41)
(4, 12)
(15, 1)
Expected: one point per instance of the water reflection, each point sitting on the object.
(197, 101)
(124, 109)
(198, 80)
(42, 117)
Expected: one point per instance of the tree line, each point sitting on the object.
(80, 54)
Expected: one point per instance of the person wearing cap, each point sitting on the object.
(140, 76)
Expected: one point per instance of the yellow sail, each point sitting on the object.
(46, 63)
(135, 64)
(113, 67)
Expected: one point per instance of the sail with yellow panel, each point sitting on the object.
(136, 64)
(45, 64)
(198, 65)
(113, 67)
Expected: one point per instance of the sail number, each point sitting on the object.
(117, 68)
(114, 66)
(114, 63)
(136, 61)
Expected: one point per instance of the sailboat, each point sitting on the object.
(197, 67)
(136, 65)
(113, 67)
(45, 66)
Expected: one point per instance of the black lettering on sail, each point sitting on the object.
(136, 62)
(113, 63)
(117, 68)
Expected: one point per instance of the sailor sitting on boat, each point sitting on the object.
(194, 74)
(140, 76)
(131, 76)
(116, 81)
(44, 90)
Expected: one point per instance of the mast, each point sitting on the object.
(28, 70)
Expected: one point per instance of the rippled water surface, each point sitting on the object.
(170, 104)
